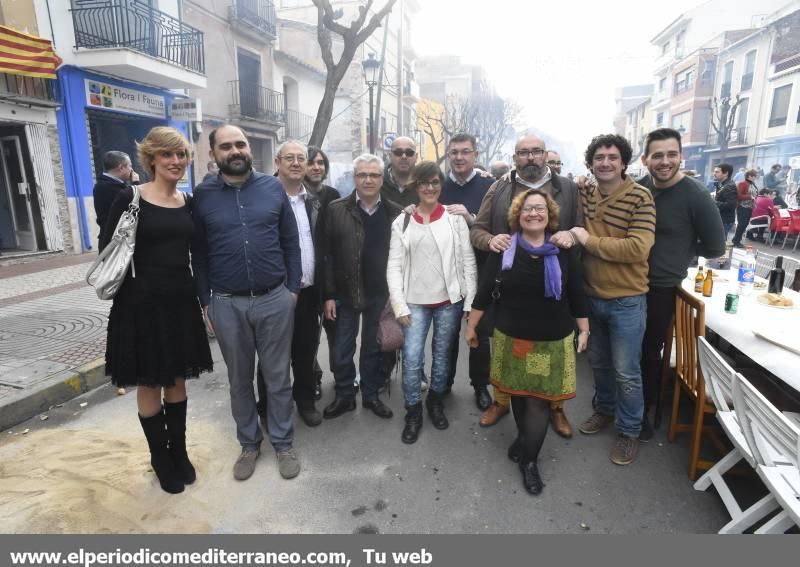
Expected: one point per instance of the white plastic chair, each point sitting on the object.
(774, 441)
(720, 377)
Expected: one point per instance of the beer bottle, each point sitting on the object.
(698, 280)
(708, 284)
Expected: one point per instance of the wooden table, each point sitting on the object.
(751, 315)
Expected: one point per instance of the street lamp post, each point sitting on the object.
(371, 69)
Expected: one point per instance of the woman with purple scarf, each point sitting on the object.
(538, 293)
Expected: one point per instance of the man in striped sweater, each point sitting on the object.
(620, 221)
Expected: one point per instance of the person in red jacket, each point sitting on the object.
(745, 201)
(763, 207)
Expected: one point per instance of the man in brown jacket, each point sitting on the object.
(620, 222)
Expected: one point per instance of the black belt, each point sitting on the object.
(252, 292)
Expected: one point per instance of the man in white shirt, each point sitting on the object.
(290, 163)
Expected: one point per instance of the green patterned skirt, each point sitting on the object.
(539, 369)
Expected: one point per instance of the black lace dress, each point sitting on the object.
(155, 328)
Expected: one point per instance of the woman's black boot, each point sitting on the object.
(515, 450)
(156, 433)
(435, 404)
(413, 423)
(530, 477)
(176, 433)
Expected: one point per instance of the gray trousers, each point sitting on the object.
(264, 324)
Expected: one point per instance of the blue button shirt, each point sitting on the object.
(245, 238)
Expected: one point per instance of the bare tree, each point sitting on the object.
(487, 117)
(430, 118)
(352, 37)
(723, 115)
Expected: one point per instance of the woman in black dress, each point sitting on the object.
(156, 338)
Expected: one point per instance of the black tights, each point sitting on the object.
(532, 416)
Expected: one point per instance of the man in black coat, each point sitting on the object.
(726, 196)
(117, 174)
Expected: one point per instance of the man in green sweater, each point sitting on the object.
(688, 224)
(620, 222)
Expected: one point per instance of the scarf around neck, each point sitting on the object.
(549, 251)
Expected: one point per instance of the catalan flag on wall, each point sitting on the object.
(28, 55)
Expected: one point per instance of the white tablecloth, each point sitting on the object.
(737, 329)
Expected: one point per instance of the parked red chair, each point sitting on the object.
(779, 225)
(794, 228)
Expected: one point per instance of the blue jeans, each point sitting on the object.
(370, 362)
(446, 324)
(726, 229)
(615, 351)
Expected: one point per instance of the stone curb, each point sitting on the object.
(59, 388)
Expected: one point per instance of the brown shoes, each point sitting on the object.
(558, 420)
(493, 414)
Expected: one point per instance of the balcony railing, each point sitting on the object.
(298, 125)
(256, 102)
(258, 14)
(747, 82)
(738, 137)
(27, 88)
(725, 90)
(135, 25)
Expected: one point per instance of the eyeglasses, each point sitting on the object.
(463, 153)
(540, 209)
(408, 152)
(372, 176)
(554, 163)
(293, 158)
(535, 152)
(432, 184)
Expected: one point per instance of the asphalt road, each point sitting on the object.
(85, 469)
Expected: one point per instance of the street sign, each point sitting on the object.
(186, 109)
(388, 140)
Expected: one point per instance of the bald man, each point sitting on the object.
(490, 232)
(397, 176)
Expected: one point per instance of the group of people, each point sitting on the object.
(739, 198)
(534, 264)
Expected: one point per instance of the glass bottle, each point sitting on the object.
(708, 284)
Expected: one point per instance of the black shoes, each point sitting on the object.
(646, 433)
(435, 404)
(515, 451)
(413, 424)
(309, 413)
(530, 478)
(482, 398)
(337, 407)
(378, 408)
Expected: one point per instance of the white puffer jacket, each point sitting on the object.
(452, 239)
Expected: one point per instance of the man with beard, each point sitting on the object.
(490, 231)
(620, 221)
(397, 176)
(247, 264)
(687, 225)
(463, 193)
(317, 168)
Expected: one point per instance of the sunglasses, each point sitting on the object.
(408, 152)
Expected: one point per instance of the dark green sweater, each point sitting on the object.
(688, 224)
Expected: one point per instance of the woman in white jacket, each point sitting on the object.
(432, 277)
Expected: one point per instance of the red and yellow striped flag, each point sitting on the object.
(24, 54)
